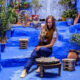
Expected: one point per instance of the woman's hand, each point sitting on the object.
(37, 48)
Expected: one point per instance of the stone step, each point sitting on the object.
(14, 41)
(14, 56)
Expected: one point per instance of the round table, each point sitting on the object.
(48, 63)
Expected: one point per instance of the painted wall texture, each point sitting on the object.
(50, 7)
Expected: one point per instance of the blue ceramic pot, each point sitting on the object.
(69, 21)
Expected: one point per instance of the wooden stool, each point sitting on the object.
(69, 64)
(23, 43)
(78, 60)
(48, 63)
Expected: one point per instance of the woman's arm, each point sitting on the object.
(51, 44)
(47, 46)
(52, 41)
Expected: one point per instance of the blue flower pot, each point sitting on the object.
(2, 47)
(69, 21)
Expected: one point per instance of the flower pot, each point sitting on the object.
(2, 47)
(34, 16)
(26, 5)
(69, 21)
(63, 18)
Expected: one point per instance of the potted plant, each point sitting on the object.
(35, 6)
(63, 17)
(70, 12)
(12, 16)
(4, 25)
(66, 4)
(24, 4)
(69, 15)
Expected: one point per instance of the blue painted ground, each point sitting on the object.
(13, 73)
(13, 57)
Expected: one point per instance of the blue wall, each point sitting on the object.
(0, 57)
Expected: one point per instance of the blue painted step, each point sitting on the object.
(16, 56)
(21, 32)
(33, 34)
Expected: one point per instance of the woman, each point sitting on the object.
(47, 39)
(78, 11)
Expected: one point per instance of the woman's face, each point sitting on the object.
(49, 23)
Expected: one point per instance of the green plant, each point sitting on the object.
(4, 20)
(23, 4)
(11, 3)
(16, 5)
(76, 38)
(36, 5)
(65, 3)
(11, 15)
(71, 13)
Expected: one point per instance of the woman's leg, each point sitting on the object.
(31, 60)
(29, 64)
(76, 19)
(44, 52)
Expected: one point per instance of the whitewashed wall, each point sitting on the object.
(50, 7)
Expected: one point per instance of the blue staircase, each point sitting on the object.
(13, 58)
(13, 55)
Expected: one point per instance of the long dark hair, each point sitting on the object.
(53, 22)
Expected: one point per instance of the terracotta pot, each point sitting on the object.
(72, 54)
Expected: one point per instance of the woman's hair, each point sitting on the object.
(53, 22)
